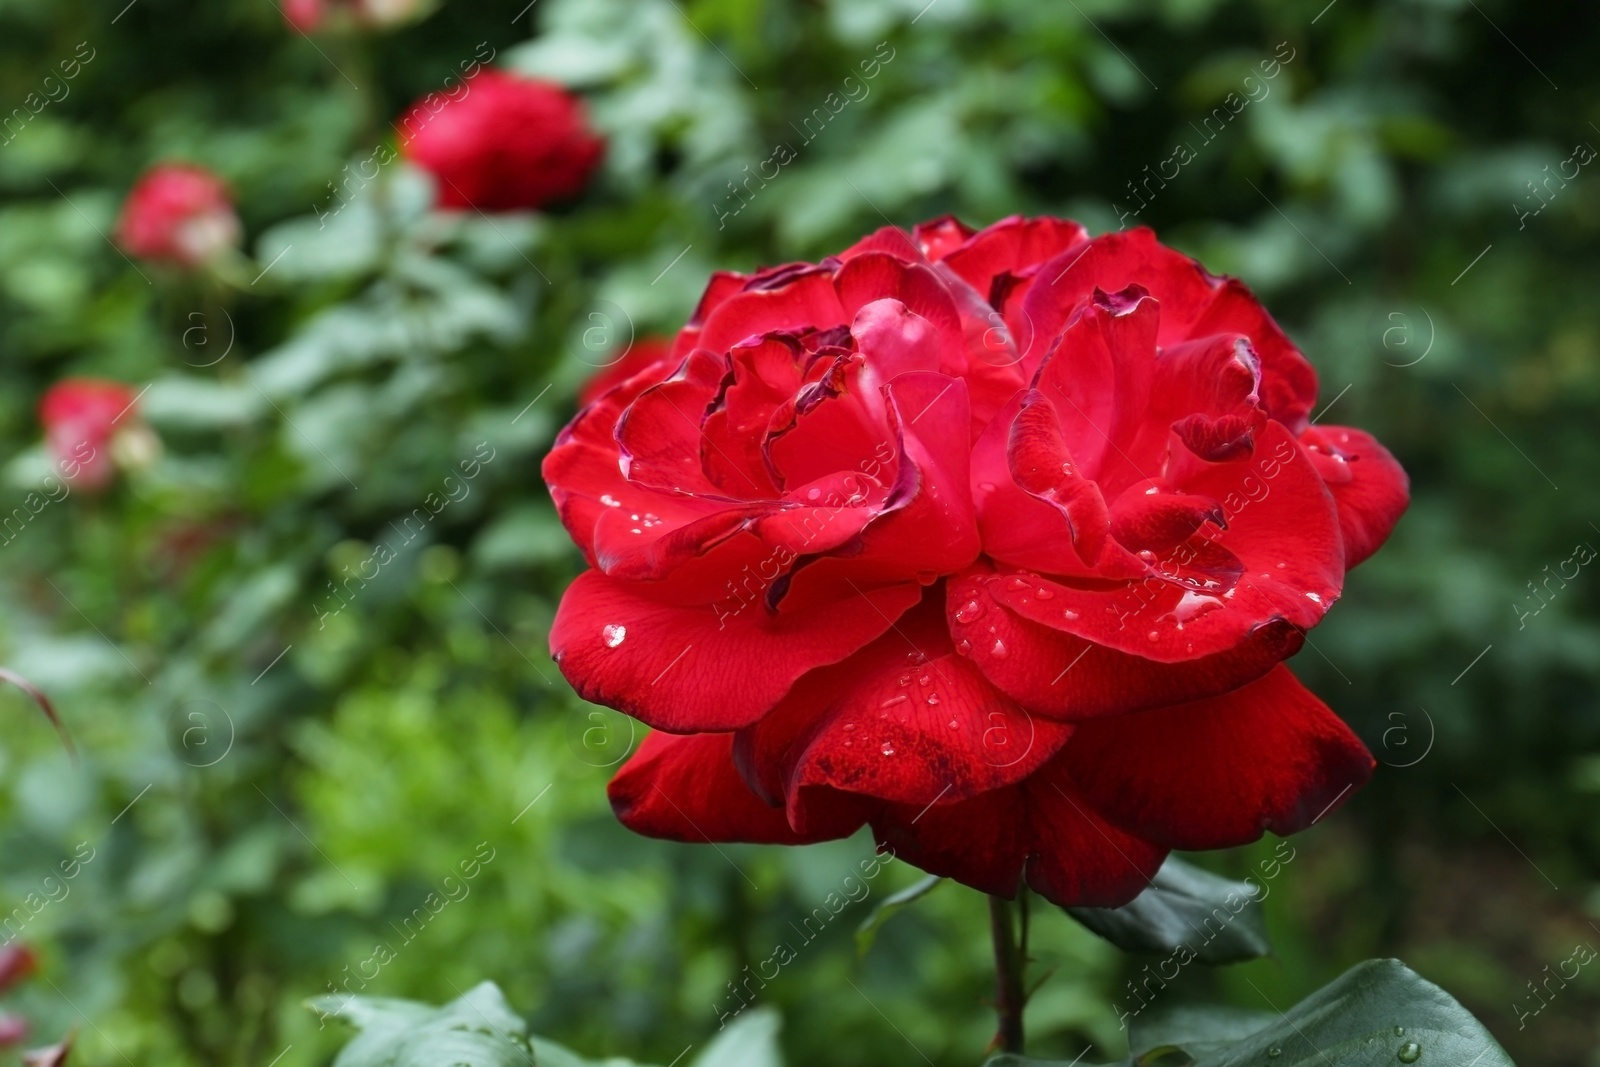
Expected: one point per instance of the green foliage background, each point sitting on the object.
(288, 814)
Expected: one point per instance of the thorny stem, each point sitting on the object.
(45, 706)
(1010, 994)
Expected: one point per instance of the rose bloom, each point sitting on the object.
(992, 541)
(305, 15)
(178, 214)
(505, 143)
(91, 425)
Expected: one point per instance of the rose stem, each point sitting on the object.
(1009, 991)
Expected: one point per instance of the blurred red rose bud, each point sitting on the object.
(178, 214)
(16, 963)
(502, 143)
(13, 1029)
(91, 426)
(304, 15)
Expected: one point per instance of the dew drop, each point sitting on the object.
(1410, 1052)
(1146, 555)
(924, 680)
(898, 698)
(1281, 566)
(1016, 585)
(613, 634)
(1399, 1031)
(905, 680)
(634, 516)
(933, 698)
(1193, 605)
(968, 611)
(1044, 594)
(1069, 615)
(999, 650)
(963, 646)
(1274, 1052)
(987, 487)
(610, 501)
(849, 726)
(954, 725)
(848, 743)
(1154, 636)
(888, 748)
(1314, 598)
(813, 493)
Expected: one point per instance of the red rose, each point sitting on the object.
(994, 541)
(16, 963)
(305, 15)
(642, 354)
(505, 144)
(86, 422)
(178, 214)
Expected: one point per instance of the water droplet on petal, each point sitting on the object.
(849, 726)
(1154, 636)
(954, 725)
(1069, 615)
(613, 634)
(1146, 555)
(1281, 566)
(1410, 1052)
(898, 698)
(963, 646)
(1314, 598)
(933, 698)
(924, 680)
(999, 650)
(813, 493)
(888, 748)
(1274, 1052)
(1016, 585)
(1044, 594)
(1399, 1031)
(610, 501)
(905, 679)
(968, 611)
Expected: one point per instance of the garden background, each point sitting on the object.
(271, 780)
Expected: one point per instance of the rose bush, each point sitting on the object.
(178, 214)
(994, 541)
(507, 143)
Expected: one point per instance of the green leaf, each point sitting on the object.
(751, 1040)
(1377, 1014)
(477, 1029)
(1187, 912)
(867, 932)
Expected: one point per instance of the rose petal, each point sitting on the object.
(686, 789)
(1216, 773)
(696, 667)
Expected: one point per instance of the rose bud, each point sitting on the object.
(504, 143)
(13, 1030)
(92, 427)
(304, 15)
(16, 963)
(178, 214)
(992, 541)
